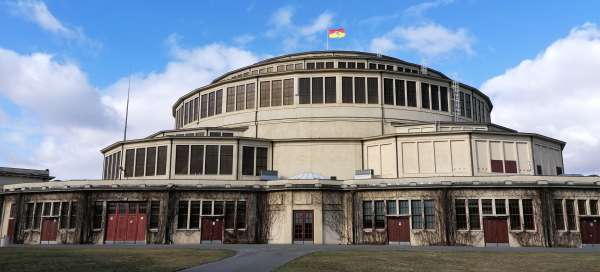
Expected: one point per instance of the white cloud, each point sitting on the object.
(421, 8)
(243, 39)
(320, 24)
(296, 35)
(282, 17)
(38, 13)
(557, 93)
(429, 40)
(66, 121)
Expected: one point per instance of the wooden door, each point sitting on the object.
(142, 223)
(111, 223)
(126, 223)
(303, 227)
(212, 229)
(49, 229)
(10, 234)
(590, 230)
(121, 222)
(398, 230)
(495, 230)
(132, 220)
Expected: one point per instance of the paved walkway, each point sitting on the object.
(260, 258)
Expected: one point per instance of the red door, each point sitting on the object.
(590, 230)
(132, 220)
(126, 223)
(111, 223)
(212, 229)
(303, 227)
(49, 229)
(495, 230)
(121, 222)
(398, 230)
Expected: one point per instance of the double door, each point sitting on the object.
(398, 230)
(590, 230)
(303, 227)
(212, 230)
(495, 231)
(126, 222)
(49, 230)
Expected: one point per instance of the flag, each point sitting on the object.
(336, 33)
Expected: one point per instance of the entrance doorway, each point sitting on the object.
(590, 230)
(303, 227)
(126, 222)
(398, 230)
(49, 230)
(495, 231)
(212, 230)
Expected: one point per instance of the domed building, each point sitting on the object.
(328, 147)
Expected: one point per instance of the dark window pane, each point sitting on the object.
(230, 103)
(211, 104)
(240, 98)
(129, 159)
(593, 207)
(444, 98)
(288, 92)
(330, 90)
(154, 214)
(461, 214)
(310, 66)
(212, 160)
(195, 109)
(265, 94)
(207, 208)
(570, 206)
(261, 159)
(229, 214)
(468, 105)
(497, 166)
(64, 215)
(197, 160)
(359, 65)
(140, 157)
(161, 166)
(151, 161)
(226, 160)
(181, 159)
(347, 96)
(194, 214)
(379, 214)
(98, 210)
(342, 65)
(500, 206)
(247, 160)
(429, 211)
(486, 207)
(241, 215)
(400, 93)
(388, 91)
(317, 90)
(411, 93)
(182, 215)
(359, 90)
(391, 207)
(435, 98)
(250, 95)
(474, 221)
(462, 104)
(276, 93)
(416, 207)
(514, 214)
(73, 215)
(320, 65)
(367, 214)
(425, 95)
(559, 215)
(528, 214)
(403, 207)
(304, 90)
(219, 102)
(510, 166)
(204, 106)
(373, 90)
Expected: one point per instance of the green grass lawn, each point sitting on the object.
(373, 261)
(25, 259)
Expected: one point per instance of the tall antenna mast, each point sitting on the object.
(127, 110)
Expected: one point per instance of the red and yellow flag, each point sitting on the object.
(336, 33)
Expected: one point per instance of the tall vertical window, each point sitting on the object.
(403, 207)
(581, 207)
(64, 214)
(416, 210)
(347, 96)
(211, 104)
(247, 160)
(462, 104)
(373, 90)
(182, 214)
(468, 105)
(140, 157)
(486, 207)
(593, 207)
(474, 222)
(181, 159)
(391, 207)
(411, 93)
(129, 159)
(461, 214)
(261, 159)
(304, 90)
(429, 211)
(330, 90)
(388, 91)
(240, 97)
(250, 95)
(570, 207)
(367, 214)
(288, 92)
(28, 215)
(196, 104)
(194, 214)
(559, 218)
(161, 163)
(151, 161)
(226, 160)
(265, 94)
(435, 98)
(400, 93)
(276, 93)
(73, 215)
(153, 218)
(240, 221)
(212, 160)
(98, 212)
(528, 223)
(204, 108)
(218, 101)
(379, 214)
(514, 214)
(425, 96)
(359, 90)
(230, 104)
(196, 159)
(317, 90)
(500, 206)
(229, 214)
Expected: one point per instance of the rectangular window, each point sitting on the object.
(359, 90)
(181, 159)
(197, 160)
(288, 92)
(250, 95)
(593, 207)
(64, 214)
(486, 207)
(359, 65)
(129, 159)
(559, 171)
(388, 91)
(106, 174)
(186, 107)
(240, 97)
(367, 214)
(298, 66)
(182, 214)
(229, 214)
(425, 96)
(204, 108)
(320, 65)
(379, 214)
(304, 90)
(462, 104)
(310, 66)
(317, 90)
(289, 67)
(468, 105)
(207, 208)
(230, 104)
(559, 215)
(429, 214)
(341, 65)
(570, 206)
(391, 207)
(195, 107)
(38, 216)
(528, 223)
(416, 212)
(461, 214)
(347, 96)
(240, 218)
(73, 215)
(151, 161)
(29, 209)
(372, 66)
(140, 157)
(510, 167)
(212, 160)
(403, 207)
(248, 160)
(329, 65)
(47, 208)
(265, 94)
(161, 164)
(435, 98)
(280, 68)
(218, 101)
(373, 90)
(261, 159)
(330, 90)
(400, 93)
(444, 98)
(276, 93)
(474, 221)
(194, 215)
(581, 207)
(514, 214)
(411, 93)
(153, 218)
(98, 212)
(497, 166)
(500, 206)
(211, 104)
(218, 208)
(226, 160)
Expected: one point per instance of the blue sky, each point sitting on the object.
(87, 50)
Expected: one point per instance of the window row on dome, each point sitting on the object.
(472, 107)
(203, 159)
(145, 161)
